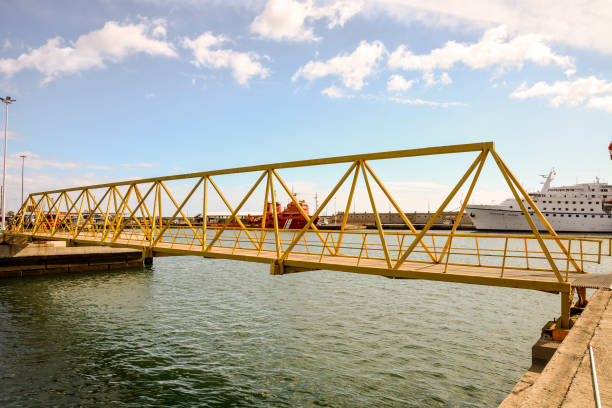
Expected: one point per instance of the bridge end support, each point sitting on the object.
(281, 269)
(147, 256)
(566, 304)
(277, 268)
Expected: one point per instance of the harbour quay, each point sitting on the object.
(393, 220)
(21, 258)
(562, 371)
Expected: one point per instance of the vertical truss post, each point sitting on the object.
(381, 233)
(98, 203)
(19, 213)
(179, 209)
(535, 231)
(144, 212)
(52, 206)
(38, 210)
(234, 212)
(141, 201)
(114, 224)
(264, 214)
(204, 213)
(347, 210)
(433, 219)
(72, 205)
(301, 210)
(398, 209)
(35, 212)
(318, 211)
(275, 215)
(123, 205)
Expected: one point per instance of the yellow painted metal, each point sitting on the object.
(204, 213)
(427, 151)
(277, 242)
(397, 208)
(345, 216)
(126, 224)
(541, 217)
(381, 234)
(234, 212)
(300, 209)
(566, 304)
(535, 231)
(318, 211)
(463, 205)
(438, 212)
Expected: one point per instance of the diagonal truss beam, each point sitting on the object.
(301, 211)
(229, 220)
(431, 221)
(398, 209)
(318, 211)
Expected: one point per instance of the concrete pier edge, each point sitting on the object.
(22, 258)
(564, 381)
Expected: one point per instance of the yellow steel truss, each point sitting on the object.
(129, 214)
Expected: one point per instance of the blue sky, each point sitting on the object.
(113, 90)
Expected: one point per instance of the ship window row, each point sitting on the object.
(577, 215)
(567, 202)
(576, 195)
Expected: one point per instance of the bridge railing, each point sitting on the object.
(144, 213)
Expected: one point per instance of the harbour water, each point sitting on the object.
(204, 332)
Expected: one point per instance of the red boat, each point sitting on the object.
(289, 218)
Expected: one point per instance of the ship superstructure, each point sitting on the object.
(585, 207)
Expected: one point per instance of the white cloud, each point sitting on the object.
(495, 48)
(582, 24)
(207, 53)
(398, 83)
(601, 102)
(425, 103)
(336, 93)
(150, 95)
(353, 69)
(36, 162)
(570, 93)
(430, 79)
(112, 43)
(289, 19)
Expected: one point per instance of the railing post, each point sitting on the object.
(504, 258)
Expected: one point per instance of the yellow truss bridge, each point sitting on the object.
(145, 215)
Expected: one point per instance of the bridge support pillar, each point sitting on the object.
(276, 268)
(147, 256)
(566, 304)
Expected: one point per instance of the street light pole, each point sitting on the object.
(23, 156)
(7, 101)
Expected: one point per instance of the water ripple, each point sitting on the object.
(200, 332)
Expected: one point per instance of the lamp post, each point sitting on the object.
(7, 101)
(23, 156)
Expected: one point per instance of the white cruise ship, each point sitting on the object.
(579, 208)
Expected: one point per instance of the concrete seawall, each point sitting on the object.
(42, 258)
(566, 380)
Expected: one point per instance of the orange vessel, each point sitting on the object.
(289, 218)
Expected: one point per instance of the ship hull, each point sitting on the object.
(493, 218)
